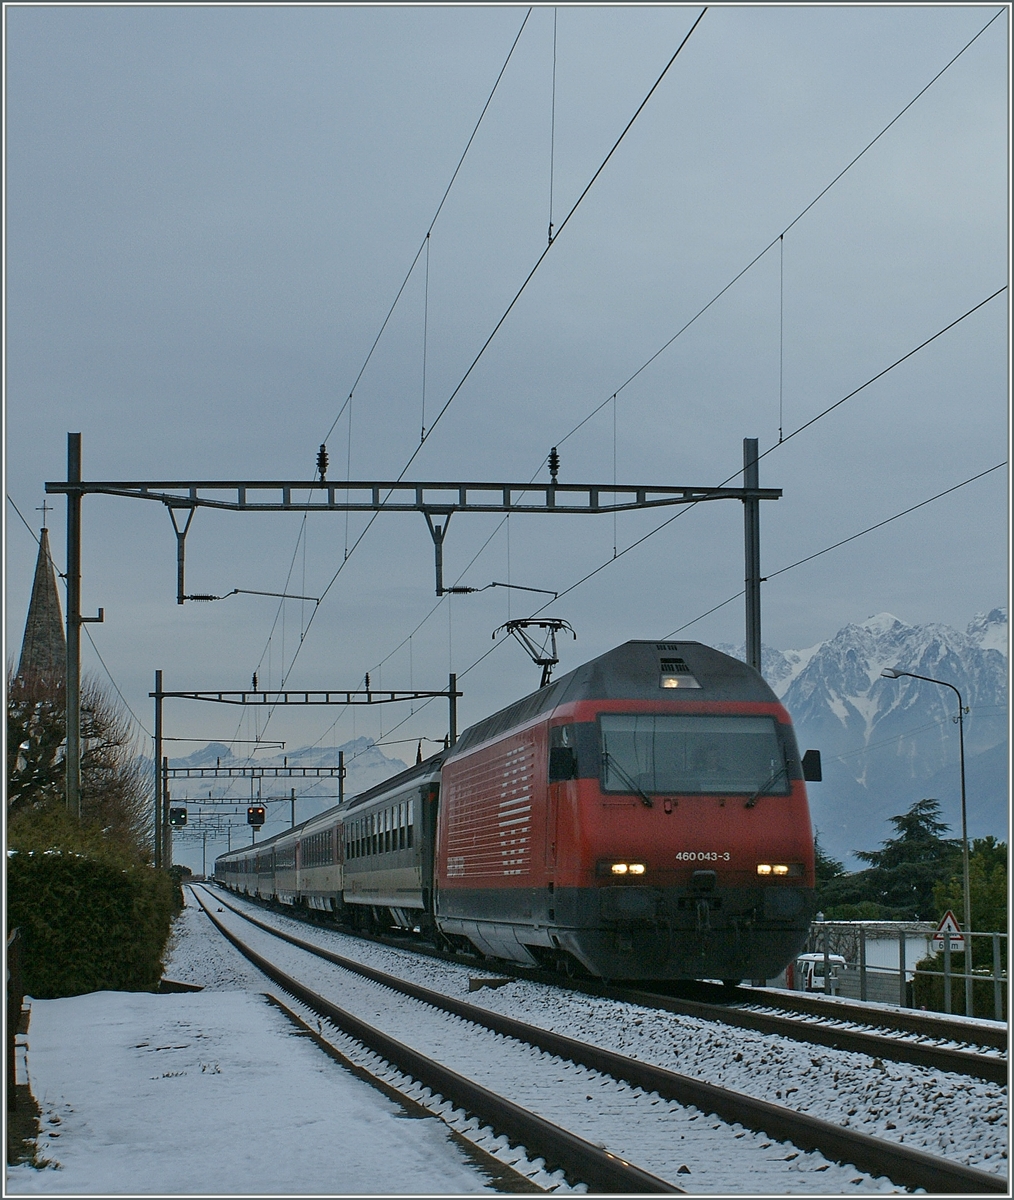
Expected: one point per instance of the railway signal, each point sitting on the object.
(177, 817)
(255, 815)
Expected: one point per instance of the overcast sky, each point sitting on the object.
(211, 209)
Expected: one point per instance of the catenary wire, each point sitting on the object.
(348, 401)
(795, 220)
(433, 222)
(844, 541)
(499, 324)
(806, 425)
(779, 238)
(740, 274)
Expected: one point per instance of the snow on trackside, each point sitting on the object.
(212, 1093)
(952, 1115)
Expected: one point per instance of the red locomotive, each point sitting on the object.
(644, 816)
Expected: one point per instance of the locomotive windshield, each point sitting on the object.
(657, 752)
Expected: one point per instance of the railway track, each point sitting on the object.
(905, 1166)
(580, 1160)
(839, 1025)
(833, 1008)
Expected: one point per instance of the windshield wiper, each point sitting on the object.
(782, 770)
(625, 778)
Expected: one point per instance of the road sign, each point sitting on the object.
(949, 928)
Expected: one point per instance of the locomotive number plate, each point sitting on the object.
(703, 856)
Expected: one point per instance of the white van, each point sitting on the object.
(808, 975)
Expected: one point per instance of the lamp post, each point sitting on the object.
(890, 673)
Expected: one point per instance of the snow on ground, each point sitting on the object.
(213, 1093)
(701, 1153)
(950, 1115)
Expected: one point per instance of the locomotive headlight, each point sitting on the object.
(763, 868)
(608, 867)
(780, 869)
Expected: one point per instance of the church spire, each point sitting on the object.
(44, 649)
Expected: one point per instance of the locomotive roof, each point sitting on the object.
(631, 672)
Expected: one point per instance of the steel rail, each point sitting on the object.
(905, 1166)
(989, 1067)
(927, 1024)
(601, 1170)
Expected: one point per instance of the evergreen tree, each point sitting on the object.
(900, 881)
(987, 879)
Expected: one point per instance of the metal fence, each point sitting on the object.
(922, 977)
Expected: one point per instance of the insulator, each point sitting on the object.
(554, 463)
(202, 596)
(322, 462)
(253, 681)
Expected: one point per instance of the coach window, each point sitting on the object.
(411, 811)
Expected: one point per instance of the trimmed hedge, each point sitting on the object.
(88, 924)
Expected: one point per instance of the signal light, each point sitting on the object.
(255, 815)
(177, 817)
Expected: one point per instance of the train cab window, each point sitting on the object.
(663, 752)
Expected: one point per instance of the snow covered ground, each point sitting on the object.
(215, 1093)
(950, 1115)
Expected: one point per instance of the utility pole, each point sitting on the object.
(158, 769)
(73, 764)
(341, 776)
(751, 530)
(167, 853)
(452, 701)
(292, 801)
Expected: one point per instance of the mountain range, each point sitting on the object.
(886, 743)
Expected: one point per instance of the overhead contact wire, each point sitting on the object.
(806, 425)
(844, 542)
(795, 220)
(510, 307)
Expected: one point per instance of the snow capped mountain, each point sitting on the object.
(889, 742)
(989, 630)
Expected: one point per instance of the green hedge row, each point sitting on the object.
(88, 924)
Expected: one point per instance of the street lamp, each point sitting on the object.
(891, 673)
